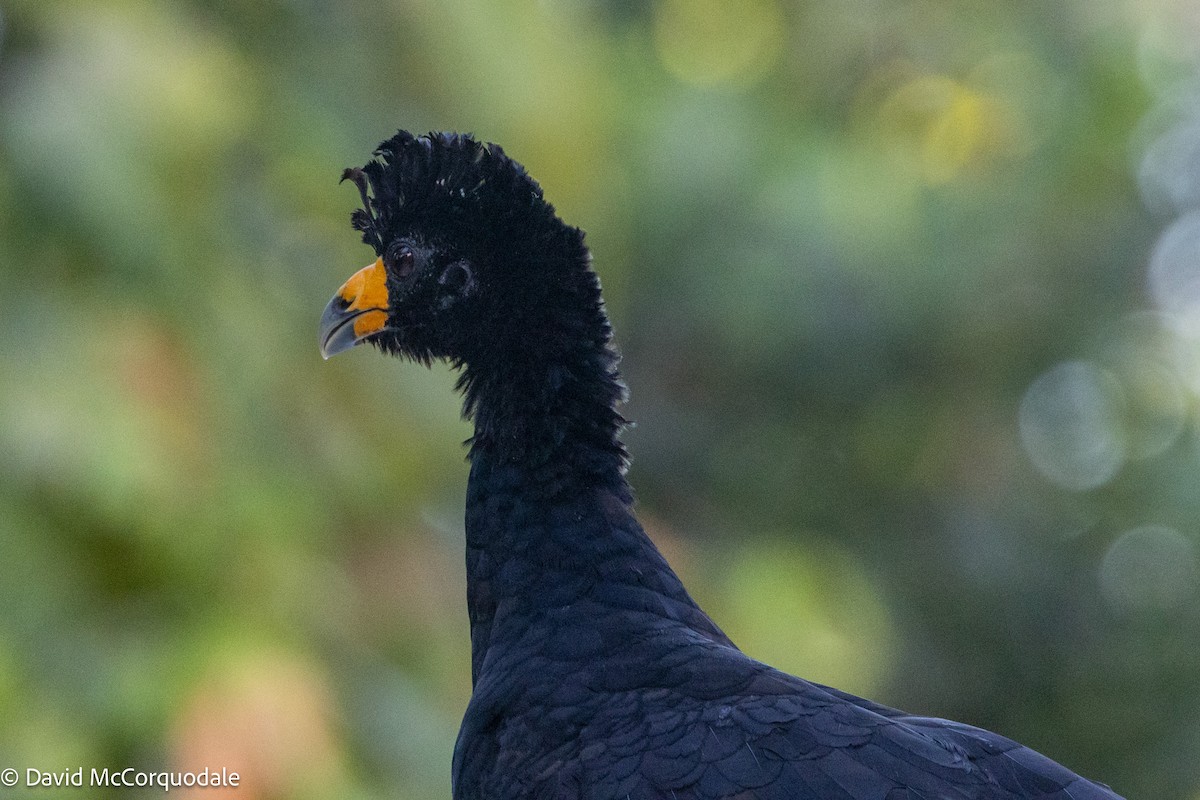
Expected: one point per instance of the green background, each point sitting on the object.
(907, 293)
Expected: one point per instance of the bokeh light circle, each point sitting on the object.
(1169, 174)
(1151, 568)
(713, 42)
(1174, 272)
(1142, 355)
(1070, 425)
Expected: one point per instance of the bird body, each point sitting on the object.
(596, 676)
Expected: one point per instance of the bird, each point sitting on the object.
(595, 675)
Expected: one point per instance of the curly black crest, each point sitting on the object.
(446, 184)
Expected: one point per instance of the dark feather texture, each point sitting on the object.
(595, 674)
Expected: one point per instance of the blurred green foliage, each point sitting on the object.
(909, 316)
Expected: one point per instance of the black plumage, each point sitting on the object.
(595, 674)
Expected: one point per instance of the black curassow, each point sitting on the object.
(595, 674)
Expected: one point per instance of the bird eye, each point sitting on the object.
(403, 260)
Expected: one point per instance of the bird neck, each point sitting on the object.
(553, 426)
(543, 388)
(551, 537)
(542, 565)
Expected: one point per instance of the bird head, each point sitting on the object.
(466, 250)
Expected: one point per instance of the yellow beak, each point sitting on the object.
(358, 310)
